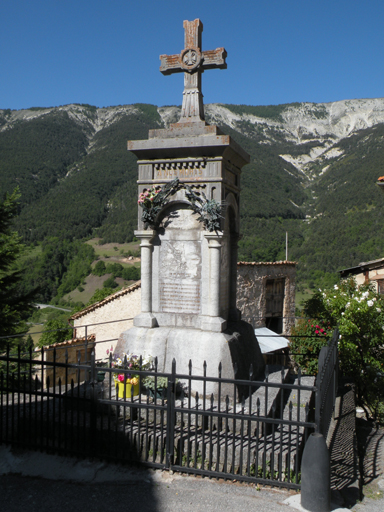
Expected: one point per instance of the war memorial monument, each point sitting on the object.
(188, 227)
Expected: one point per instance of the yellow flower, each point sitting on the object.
(134, 381)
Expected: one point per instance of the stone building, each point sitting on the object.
(367, 272)
(108, 318)
(266, 294)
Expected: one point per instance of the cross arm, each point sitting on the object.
(215, 59)
(170, 64)
(210, 59)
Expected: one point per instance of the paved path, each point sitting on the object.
(37, 482)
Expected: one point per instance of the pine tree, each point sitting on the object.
(14, 305)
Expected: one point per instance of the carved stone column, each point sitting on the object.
(213, 321)
(234, 312)
(146, 318)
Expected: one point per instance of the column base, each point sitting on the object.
(213, 324)
(145, 320)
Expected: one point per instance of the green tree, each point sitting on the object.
(100, 294)
(15, 306)
(358, 312)
(99, 269)
(110, 283)
(55, 331)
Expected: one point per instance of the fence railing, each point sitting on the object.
(327, 383)
(250, 430)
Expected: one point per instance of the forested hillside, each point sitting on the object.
(312, 173)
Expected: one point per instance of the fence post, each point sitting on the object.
(171, 416)
(316, 475)
(93, 411)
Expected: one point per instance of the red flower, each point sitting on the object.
(317, 332)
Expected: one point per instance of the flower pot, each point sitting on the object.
(160, 393)
(100, 376)
(128, 389)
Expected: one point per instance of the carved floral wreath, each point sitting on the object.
(153, 201)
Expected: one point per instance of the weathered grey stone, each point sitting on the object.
(236, 346)
(251, 284)
(192, 62)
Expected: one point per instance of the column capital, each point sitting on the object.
(145, 236)
(214, 238)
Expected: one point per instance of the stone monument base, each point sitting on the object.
(237, 345)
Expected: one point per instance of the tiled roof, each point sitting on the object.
(259, 263)
(364, 265)
(110, 298)
(74, 341)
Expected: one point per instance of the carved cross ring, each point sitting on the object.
(190, 59)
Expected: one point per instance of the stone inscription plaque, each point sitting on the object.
(180, 276)
(169, 173)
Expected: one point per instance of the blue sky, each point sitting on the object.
(55, 52)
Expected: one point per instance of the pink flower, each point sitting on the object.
(317, 332)
(121, 377)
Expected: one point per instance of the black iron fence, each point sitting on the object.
(327, 383)
(250, 430)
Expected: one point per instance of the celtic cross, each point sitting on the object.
(192, 62)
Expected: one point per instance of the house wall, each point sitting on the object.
(372, 275)
(251, 286)
(123, 307)
(66, 352)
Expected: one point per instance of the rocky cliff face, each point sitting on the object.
(319, 126)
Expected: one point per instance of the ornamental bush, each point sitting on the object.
(358, 312)
(307, 339)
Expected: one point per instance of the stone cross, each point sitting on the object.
(192, 62)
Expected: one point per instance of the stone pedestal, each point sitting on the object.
(237, 345)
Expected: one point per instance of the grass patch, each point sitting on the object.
(114, 250)
(35, 331)
(302, 296)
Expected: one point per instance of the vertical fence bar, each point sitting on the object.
(30, 380)
(171, 416)
(93, 405)
(18, 392)
(219, 420)
(204, 418)
(54, 398)
(234, 421)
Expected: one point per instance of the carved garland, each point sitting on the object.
(153, 201)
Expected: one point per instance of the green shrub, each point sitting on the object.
(306, 340)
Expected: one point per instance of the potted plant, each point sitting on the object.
(156, 387)
(127, 379)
